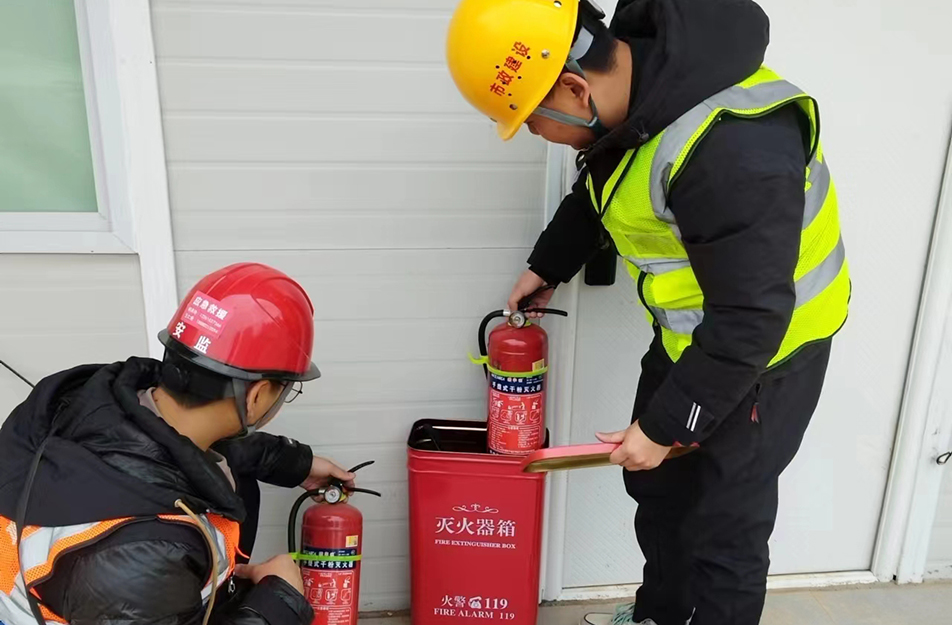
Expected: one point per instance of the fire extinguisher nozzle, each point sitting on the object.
(362, 465)
(365, 491)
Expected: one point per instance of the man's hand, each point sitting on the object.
(527, 284)
(637, 451)
(282, 566)
(321, 472)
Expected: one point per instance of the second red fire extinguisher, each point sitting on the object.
(516, 360)
(331, 547)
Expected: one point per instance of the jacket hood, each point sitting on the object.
(685, 51)
(106, 456)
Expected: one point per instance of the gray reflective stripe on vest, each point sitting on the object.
(34, 551)
(224, 563)
(681, 321)
(658, 266)
(821, 276)
(14, 608)
(820, 181)
(685, 321)
(816, 195)
(683, 129)
(35, 548)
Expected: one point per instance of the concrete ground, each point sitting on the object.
(926, 604)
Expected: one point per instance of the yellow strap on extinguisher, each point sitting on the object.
(507, 374)
(310, 557)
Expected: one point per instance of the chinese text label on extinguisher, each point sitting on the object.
(516, 413)
(330, 583)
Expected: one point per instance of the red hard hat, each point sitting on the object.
(246, 321)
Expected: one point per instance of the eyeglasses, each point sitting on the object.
(297, 389)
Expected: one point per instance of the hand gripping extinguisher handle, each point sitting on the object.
(319, 492)
(525, 301)
(523, 308)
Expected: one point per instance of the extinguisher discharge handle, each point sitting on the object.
(548, 311)
(527, 300)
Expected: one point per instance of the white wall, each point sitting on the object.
(326, 138)
(882, 72)
(59, 311)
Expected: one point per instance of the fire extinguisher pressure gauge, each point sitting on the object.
(333, 495)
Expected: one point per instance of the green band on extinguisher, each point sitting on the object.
(309, 557)
(507, 374)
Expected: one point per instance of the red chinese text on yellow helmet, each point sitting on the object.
(505, 55)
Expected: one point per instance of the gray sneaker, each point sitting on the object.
(624, 615)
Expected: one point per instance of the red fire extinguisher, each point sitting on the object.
(331, 544)
(516, 360)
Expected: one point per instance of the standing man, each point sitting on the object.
(118, 499)
(704, 170)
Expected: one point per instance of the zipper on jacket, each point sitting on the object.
(642, 276)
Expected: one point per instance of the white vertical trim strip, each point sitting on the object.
(87, 55)
(925, 421)
(134, 149)
(561, 381)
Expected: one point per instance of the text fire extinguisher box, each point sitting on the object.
(475, 529)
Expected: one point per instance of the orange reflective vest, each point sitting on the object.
(22, 570)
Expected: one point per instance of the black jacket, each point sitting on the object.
(108, 457)
(738, 203)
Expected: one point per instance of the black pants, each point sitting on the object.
(704, 519)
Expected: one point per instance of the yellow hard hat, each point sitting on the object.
(506, 55)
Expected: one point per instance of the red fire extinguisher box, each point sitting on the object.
(475, 529)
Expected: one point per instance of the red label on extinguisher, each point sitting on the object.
(516, 414)
(329, 585)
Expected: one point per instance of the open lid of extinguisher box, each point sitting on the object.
(587, 456)
(569, 457)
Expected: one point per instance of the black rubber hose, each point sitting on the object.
(292, 519)
(481, 336)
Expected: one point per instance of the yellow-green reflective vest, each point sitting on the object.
(646, 234)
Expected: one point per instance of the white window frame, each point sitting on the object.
(128, 153)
